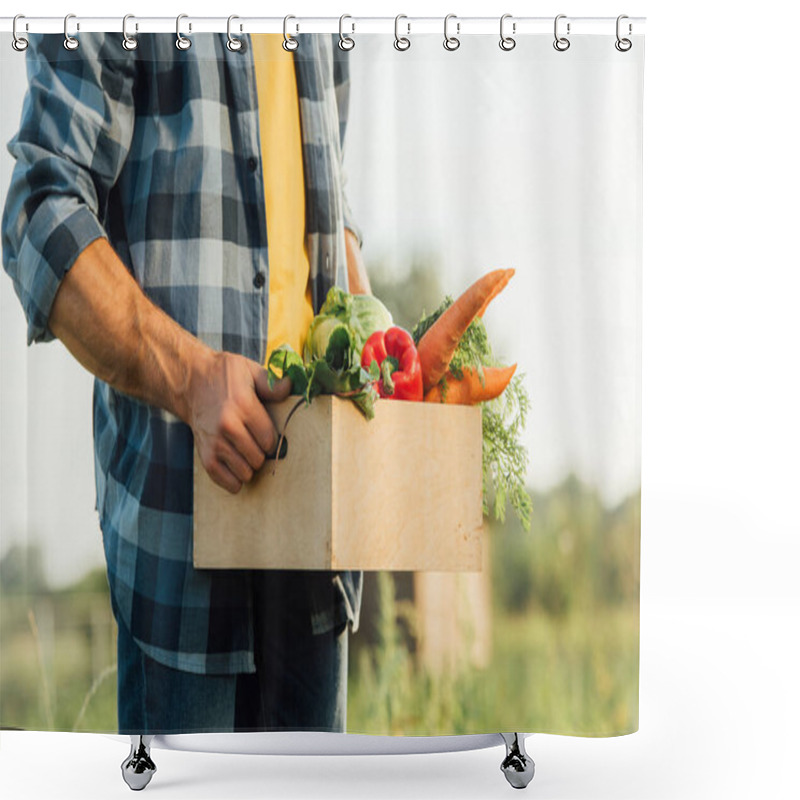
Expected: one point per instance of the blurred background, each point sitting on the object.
(458, 163)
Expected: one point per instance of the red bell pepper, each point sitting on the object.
(398, 360)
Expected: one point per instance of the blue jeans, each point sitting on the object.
(300, 682)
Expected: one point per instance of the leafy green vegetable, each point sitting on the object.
(426, 320)
(364, 313)
(319, 333)
(505, 459)
(339, 352)
(284, 362)
(339, 372)
(331, 362)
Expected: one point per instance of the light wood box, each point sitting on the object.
(399, 492)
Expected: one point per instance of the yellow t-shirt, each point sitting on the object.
(290, 308)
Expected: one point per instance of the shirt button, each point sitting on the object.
(259, 280)
(252, 164)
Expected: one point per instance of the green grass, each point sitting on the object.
(52, 684)
(574, 674)
(564, 656)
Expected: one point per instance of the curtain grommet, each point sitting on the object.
(129, 42)
(19, 43)
(70, 42)
(181, 42)
(401, 43)
(346, 41)
(290, 44)
(507, 43)
(233, 44)
(451, 43)
(561, 43)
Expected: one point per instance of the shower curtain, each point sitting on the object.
(257, 195)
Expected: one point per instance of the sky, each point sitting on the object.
(480, 158)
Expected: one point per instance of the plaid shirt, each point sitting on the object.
(158, 150)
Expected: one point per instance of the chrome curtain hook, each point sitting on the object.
(289, 42)
(507, 42)
(233, 44)
(70, 42)
(181, 42)
(346, 42)
(128, 42)
(451, 42)
(401, 42)
(561, 43)
(623, 45)
(19, 43)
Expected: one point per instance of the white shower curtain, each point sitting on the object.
(457, 164)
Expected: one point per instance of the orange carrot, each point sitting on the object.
(496, 291)
(470, 390)
(440, 341)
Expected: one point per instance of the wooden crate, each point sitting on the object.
(399, 492)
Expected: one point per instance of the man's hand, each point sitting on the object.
(106, 321)
(232, 430)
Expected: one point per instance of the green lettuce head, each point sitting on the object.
(363, 313)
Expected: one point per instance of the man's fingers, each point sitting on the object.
(234, 461)
(266, 395)
(262, 429)
(259, 423)
(242, 440)
(222, 476)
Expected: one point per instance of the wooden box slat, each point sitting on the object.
(399, 492)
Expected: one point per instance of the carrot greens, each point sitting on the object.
(505, 458)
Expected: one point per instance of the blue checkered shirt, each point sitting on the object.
(158, 150)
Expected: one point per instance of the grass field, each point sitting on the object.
(564, 651)
(62, 675)
(574, 674)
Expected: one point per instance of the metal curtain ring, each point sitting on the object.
(181, 42)
(561, 43)
(70, 42)
(346, 42)
(289, 42)
(623, 45)
(451, 42)
(233, 44)
(128, 42)
(19, 43)
(401, 42)
(507, 42)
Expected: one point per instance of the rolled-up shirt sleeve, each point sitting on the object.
(74, 136)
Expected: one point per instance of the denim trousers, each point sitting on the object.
(300, 682)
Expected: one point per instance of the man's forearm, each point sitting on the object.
(108, 323)
(357, 278)
(110, 326)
